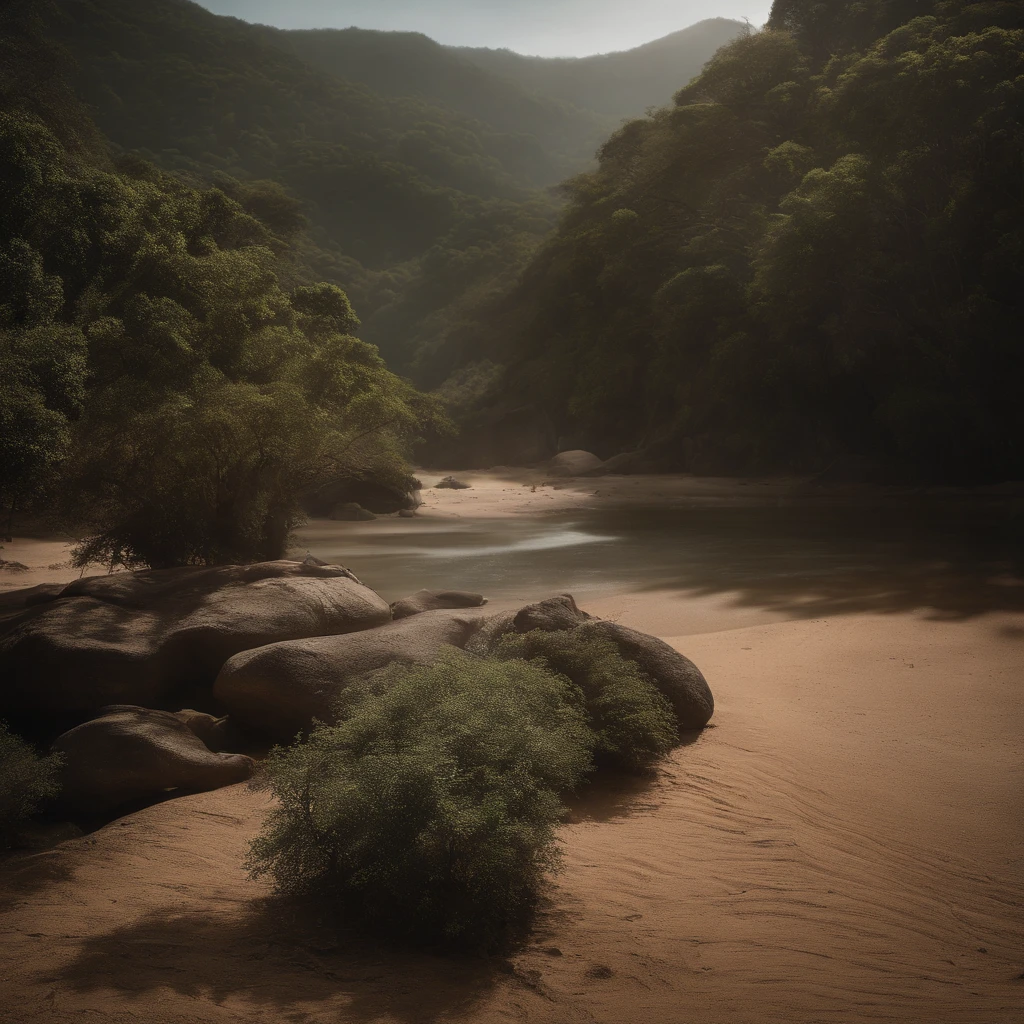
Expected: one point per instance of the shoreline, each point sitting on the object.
(844, 845)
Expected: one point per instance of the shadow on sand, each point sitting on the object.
(284, 956)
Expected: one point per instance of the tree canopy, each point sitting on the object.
(815, 252)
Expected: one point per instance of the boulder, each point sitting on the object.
(575, 463)
(551, 615)
(674, 674)
(556, 613)
(450, 483)
(377, 496)
(136, 637)
(212, 731)
(351, 512)
(132, 754)
(279, 689)
(407, 513)
(433, 600)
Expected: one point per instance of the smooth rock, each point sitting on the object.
(376, 496)
(433, 600)
(131, 754)
(135, 637)
(279, 689)
(575, 463)
(351, 512)
(673, 673)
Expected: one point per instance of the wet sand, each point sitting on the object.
(845, 844)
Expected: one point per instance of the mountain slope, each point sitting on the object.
(805, 259)
(384, 178)
(615, 85)
(548, 139)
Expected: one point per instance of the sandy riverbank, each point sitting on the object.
(845, 845)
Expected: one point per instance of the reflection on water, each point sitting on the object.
(954, 557)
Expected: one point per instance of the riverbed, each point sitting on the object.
(845, 844)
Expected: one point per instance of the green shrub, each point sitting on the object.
(633, 721)
(26, 781)
(430, 810)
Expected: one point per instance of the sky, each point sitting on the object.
(548, 28)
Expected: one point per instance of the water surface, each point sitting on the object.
(956, 557)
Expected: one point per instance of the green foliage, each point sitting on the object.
(633, 723)
(817, 251)
(26, 782)
(153, 355)
(429, 812)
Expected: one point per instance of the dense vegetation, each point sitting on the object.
(160, 376)
(429, 811)
(542, 139)
(816, 252)
(27, 781)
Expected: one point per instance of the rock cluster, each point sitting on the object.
(273, 645)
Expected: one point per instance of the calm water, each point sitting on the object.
(957, 557)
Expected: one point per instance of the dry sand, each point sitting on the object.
(846, 844)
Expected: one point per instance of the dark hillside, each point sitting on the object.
(816, 254)
(200, 93)
(546, 139)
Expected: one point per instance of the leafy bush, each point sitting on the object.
(633, 722)
(430, 810)
(26, 781)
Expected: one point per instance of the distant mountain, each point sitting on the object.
(383, 177)
(408, 64)
(615, 85)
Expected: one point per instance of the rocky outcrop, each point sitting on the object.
(278, 690)
(674, 674)
(351, 512)
(132, 754)
(435, 600)
(575, 463)
(377, 496)
(135, 637)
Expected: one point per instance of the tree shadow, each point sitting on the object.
(951, 562)
(284, 955)
(23, 873)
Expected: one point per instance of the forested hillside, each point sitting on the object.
(816, 252)
(543, 140)
(162, 384)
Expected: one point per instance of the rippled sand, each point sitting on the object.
(846, 844)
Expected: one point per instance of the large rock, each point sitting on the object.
(378, 496)
(575, 463)
(279, 690)
(351, 512)
(132, 754)
(434, 600)
(674, 674)
(134, 638)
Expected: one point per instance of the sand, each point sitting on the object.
(845, 844)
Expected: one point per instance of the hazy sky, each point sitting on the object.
(548, 27)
